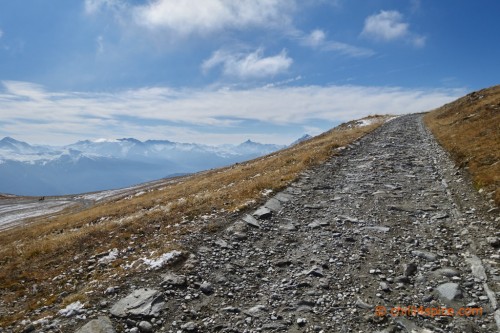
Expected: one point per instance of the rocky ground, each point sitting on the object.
(360, 244)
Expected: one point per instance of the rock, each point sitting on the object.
(273, 204)
(191, 263)
(174, 280)
(206, 288)
(222, 243)
(251, 221)
(409, 269)
(427, 298)
(231, 309)
(190, 327)
(257, 310)
(263, 213)
(465, 326)
(282, 262)
(100, 325)
(403, 279)
(301, 322)
(446, 271)
(139, 303)
(283, 197)
(348, 219)
(476, 267)
(425, 255)
(440, 216)
(449, 291)
(402, 208)
(239, 236)
(316, 271)
(29, 328)
(378, 229)
(384, 287)
(314, 225)
(288, 227)
(493, 241)
(360, 304)
(145, 326)
(237, 226)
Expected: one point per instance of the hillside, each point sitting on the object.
(469, 128)
(37, 279)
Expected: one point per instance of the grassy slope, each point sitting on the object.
(52, 262)
(469, 128)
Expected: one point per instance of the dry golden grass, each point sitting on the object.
(46, 264)
(469, 128)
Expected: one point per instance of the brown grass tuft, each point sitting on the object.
(469, 129)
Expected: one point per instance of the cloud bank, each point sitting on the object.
(46, 117)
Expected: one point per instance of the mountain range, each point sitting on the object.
(87, 166)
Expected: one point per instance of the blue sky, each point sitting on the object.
(223, 71)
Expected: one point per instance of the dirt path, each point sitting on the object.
(389, 225)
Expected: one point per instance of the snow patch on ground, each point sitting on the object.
(72, 309)
(266, 192)
(365, 122)
(12, 213)
(163, 260)
(110, 257)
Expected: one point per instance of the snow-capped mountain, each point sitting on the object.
(103, 164)
(303, 138)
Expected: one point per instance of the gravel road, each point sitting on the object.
(378, 239)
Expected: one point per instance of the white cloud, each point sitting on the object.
(186, 17)
(61, 117)
(94, 6)
(251, 65)
(1, 33)
(317, 39)
(388, 26)
(100, 44)
(418, 41)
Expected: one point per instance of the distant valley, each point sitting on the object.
(87, 166)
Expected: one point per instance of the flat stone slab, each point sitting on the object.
(425, 255)
(273, 204)
(476, 267)
(449, 291)
(175, 280)
(250, 220)
(100, 325)
(139, 303)
(288, 227)
(257, 311)
(262, 213)
(283, 197)
(314, 224)
(378, 229)
(446, 271)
